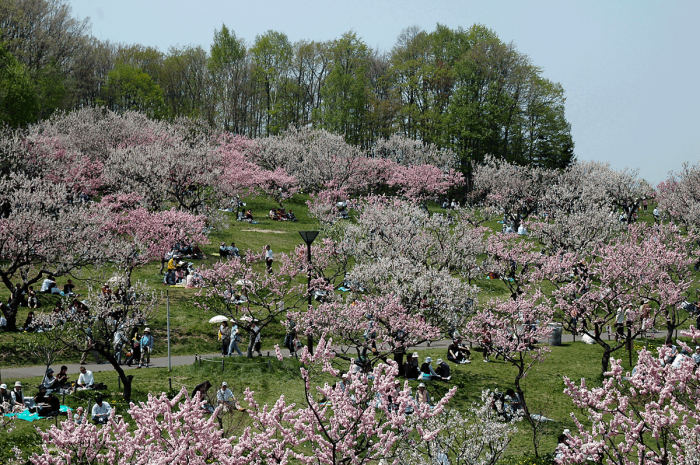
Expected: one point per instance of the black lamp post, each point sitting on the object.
(309, 237)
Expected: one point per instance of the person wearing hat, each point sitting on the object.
(6, 402)
(17, 396)
(100, 411)
(427, 370)
(343, 383)
(79, 417)
(146, 347)
(422, 396)
(47, 404)
(696, 355)
(50, 381)
(225, 398)
(443, 369)
(410, 368)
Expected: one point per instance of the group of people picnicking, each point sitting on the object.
(29, 298)
(280, 214)
(178, 271)
(46, 404)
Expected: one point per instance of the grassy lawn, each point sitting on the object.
(543, 387)
(191, 334)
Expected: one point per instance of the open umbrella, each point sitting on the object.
(218, 319)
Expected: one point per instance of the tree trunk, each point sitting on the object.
(251, 344)
(606, 360)
(126, 380)
(669, 331)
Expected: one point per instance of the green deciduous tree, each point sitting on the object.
(129, 88)
(18, 99)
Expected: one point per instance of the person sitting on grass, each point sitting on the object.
(410, 368)
(100, 411)
(170, 278)
(225, 398)
(202, 389)
(455, 352)
(422, 396)
(18, 397)
(427, 371)
(47, 404)
(443, 369)
(233, 251)
(85, 381)
(79, 418)
(6, 401)
(63, 377)
(50, 381)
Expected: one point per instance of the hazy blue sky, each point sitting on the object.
(629, 68)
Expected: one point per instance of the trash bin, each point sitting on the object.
(555, 337)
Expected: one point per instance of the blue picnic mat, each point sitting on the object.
(26, 416)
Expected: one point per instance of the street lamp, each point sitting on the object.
(309, 237)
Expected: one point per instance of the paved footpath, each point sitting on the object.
(11, 374)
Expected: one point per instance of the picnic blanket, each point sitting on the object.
(27, 416)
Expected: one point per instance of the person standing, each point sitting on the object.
(290, 336)
(146, 348)
(255, 335)
(118, 344)
(235, 339)
(268, 258)
(135, 349)
(225, 332)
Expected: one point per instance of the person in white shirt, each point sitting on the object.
(47, 286)
(85, 380)
(225, 397)
(100, 411)
(522, 231)
(696, 355)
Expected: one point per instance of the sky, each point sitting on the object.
(629, 68)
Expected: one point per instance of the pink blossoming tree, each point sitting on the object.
(647, 417)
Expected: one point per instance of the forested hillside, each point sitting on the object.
(464, 89)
